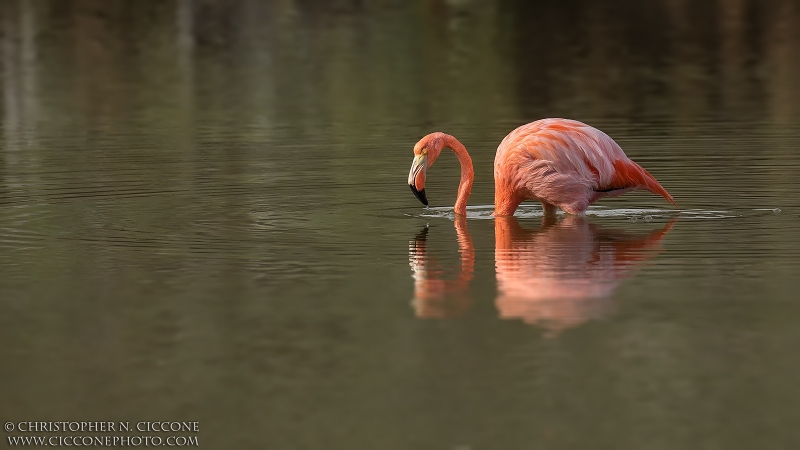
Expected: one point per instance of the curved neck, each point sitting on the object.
(467, 173)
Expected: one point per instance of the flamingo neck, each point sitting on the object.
(467, 173)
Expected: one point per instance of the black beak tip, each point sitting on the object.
(419, 194)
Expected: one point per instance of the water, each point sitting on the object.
(204, 216)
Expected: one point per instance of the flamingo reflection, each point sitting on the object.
(434, 296)
(558, 275)
(563, 273)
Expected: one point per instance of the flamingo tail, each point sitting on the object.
(631, 175)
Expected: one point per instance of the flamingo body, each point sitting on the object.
(561, 163)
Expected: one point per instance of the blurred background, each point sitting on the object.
(321, 64)
(204, 216)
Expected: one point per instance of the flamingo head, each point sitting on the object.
(425, 153)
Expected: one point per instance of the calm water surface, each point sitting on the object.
(204, 216)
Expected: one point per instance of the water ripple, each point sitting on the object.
(534, 211)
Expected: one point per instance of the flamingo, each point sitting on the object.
(561, 163)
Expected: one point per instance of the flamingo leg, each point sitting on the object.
(549, 209)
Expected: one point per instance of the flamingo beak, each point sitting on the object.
(416, 177)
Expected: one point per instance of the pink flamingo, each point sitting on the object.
(559, 162)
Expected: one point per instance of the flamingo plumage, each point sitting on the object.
(561, 163)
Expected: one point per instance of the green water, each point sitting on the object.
(204, 216)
